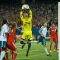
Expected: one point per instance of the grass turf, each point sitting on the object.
(36, 52)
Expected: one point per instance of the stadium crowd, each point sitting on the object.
(41, 13)
(18, 25)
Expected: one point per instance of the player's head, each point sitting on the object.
(13, 25)
(25, 14)
(45, 24)
(53, 25)
(4, 21)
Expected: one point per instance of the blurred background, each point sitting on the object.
(43, 11)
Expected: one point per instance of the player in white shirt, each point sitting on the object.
(43, 33)
(3, 38)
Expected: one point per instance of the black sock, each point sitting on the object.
(29, 46)
(23, 44)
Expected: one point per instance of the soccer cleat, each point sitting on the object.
(26, 55)
(49, 55)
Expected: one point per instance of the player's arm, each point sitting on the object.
(21, 14)
(30, 14)
(30, 17)
(31, 25)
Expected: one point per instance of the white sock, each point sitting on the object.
(2, 55)
(46, 50)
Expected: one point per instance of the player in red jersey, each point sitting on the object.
(10, 41)
(53, 36)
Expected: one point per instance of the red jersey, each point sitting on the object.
(53, 35)
(53, 31)
(11, 35)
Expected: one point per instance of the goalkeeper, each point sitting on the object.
(26, 18)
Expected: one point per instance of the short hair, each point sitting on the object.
(13, 24)
(4, 21)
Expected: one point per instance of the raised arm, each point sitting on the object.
(30, 16)
(21, 15)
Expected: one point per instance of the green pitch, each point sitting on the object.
(36, 52)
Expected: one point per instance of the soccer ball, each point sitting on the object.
(25, 6)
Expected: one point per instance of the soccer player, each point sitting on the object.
(26, 18)
(43, 32)
(10, 41)
(53, 36)
(3, 38)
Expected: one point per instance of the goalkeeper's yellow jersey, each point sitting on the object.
(27, 22)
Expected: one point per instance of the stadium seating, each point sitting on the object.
(41, 13)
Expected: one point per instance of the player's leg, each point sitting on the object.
(44, 45)
(0, 47)
(51, 41)
(56, 44)
(14, 51)
(2, 54)
(13, 54)
(12, 48)
(3, 50)
(0, 51)
(22, 41)
(6, 55)
(38, 38)
(29, 42)
(29, 46)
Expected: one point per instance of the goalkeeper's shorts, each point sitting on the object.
(27, 35)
